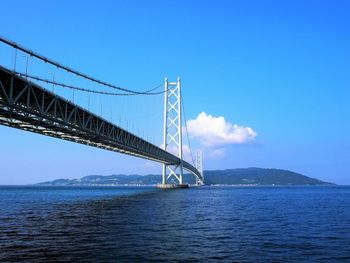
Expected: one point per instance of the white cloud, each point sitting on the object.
(213, 131)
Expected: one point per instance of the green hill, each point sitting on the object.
(242, 176)
(259, 176)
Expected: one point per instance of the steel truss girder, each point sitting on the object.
(27, 106)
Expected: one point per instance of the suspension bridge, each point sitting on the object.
(27, 104)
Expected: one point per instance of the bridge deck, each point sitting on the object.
(28, 106)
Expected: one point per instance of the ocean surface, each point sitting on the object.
(205, 224)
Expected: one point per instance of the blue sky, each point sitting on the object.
(278, 67)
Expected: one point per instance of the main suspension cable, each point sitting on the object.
(150, 92)
(58, 65)
(188, 139)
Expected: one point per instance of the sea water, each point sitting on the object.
(202, 224)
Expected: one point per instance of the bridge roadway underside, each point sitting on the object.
(28, 106)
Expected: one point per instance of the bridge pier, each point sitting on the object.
(172, 186)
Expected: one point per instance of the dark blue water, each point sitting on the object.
(207, 224)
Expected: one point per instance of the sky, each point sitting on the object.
(265, 83)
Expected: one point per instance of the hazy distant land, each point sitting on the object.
(242, 176)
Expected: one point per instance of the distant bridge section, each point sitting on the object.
(28, 106)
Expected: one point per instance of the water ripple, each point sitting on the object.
(292, 224)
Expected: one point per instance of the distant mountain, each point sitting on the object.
(259, 176)
(242, 176)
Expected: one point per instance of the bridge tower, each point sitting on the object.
(172, 132)
(199, 166)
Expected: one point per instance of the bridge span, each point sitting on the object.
(28, 106)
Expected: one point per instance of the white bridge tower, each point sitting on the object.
(199, 166)
(172, 131)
